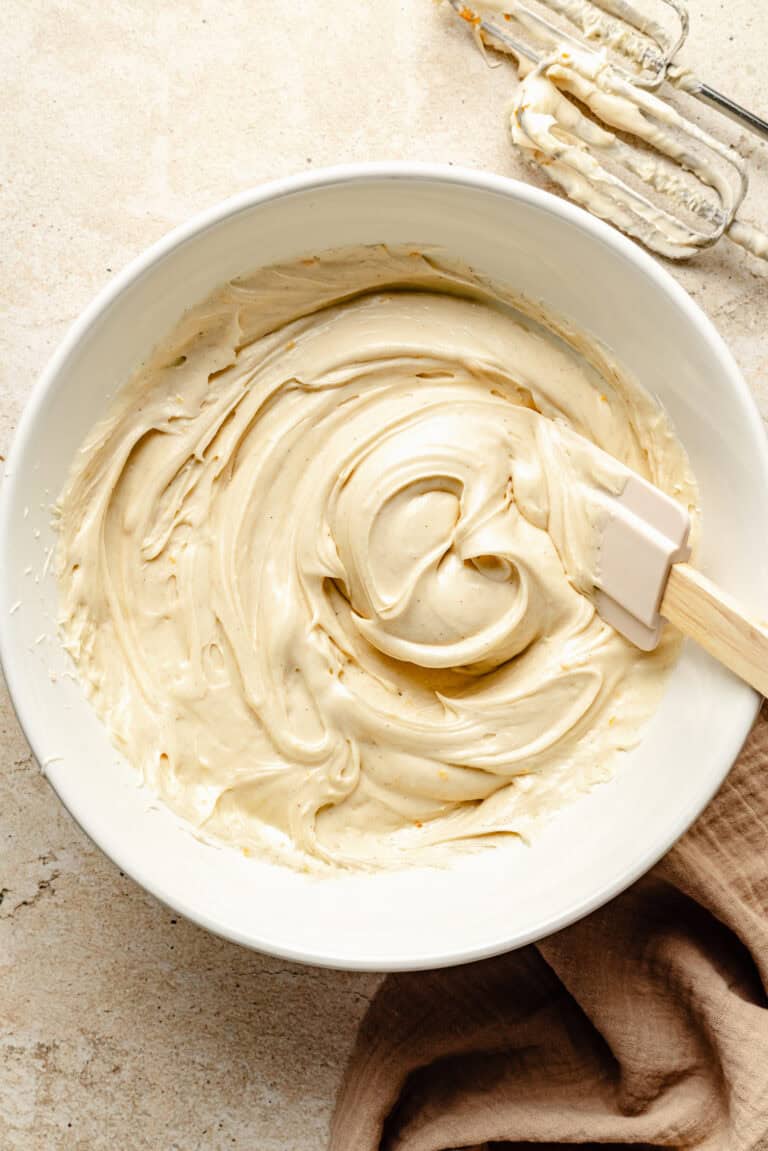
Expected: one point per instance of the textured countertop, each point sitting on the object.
(121, 1028)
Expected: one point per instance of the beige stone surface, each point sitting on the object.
(120, 1027)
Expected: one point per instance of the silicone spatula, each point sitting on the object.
(643, 578)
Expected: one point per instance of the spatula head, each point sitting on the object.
(629, 533)
(645, 532)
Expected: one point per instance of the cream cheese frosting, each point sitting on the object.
(325, 567)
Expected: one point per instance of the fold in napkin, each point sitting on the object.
(644, 1025)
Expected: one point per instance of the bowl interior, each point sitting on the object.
(488, 902)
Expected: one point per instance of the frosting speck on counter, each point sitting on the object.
(325, 567)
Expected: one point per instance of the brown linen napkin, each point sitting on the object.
(644, 1025)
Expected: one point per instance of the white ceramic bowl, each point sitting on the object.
(498, 899)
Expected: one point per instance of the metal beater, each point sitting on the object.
(641, 43)
(611, 144)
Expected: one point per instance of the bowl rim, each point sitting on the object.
(48, 380)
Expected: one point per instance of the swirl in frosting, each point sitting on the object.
(325, 566)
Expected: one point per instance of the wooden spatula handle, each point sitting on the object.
(701, 610)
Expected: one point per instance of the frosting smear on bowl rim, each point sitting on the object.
(325, 567)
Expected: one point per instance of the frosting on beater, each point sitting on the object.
(677, 194)
(325, 566)
(614, 147)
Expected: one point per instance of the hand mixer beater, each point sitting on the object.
(592, 121)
